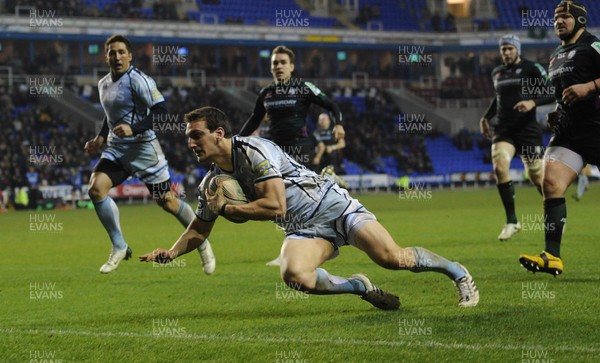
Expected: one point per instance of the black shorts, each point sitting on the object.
(586, 144)
(118, 175)
(526, 139)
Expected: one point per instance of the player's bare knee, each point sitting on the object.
(553, 187)
(95, 193)
(535, 170)
(298, 280)
(388, 258)
(501, 169)
(501, 160)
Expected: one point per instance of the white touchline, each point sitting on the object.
(338, 341)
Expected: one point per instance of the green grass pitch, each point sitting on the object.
(57, 307)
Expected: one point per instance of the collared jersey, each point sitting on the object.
(287, 106)
(526, 80)
(576, 64)
(255, 160)
(128, 100)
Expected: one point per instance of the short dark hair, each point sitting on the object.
(284, 50)
(213, 116)
(117, 38)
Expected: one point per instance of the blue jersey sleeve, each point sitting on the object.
(146, 90)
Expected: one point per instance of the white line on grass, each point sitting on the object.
(338, 341)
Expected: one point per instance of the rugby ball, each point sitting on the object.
(232, 191)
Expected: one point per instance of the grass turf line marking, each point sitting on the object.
(338, 341)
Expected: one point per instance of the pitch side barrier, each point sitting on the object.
(130, 191)
(373, 182)
(363, 182)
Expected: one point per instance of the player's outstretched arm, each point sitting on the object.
(196, 233)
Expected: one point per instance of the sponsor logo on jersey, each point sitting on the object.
(596, 46)
(542, 70)
(263, 167)
(571, 54)
(313, 88)
(155, 94)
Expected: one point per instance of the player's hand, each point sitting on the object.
(94, 145)
(524, 106)
(123, 130)
(338, 132)
(329, 149)
(576, 93)
(484, 127)
(316, 161)
(215, 202)
(159, 255)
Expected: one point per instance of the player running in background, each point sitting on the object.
(318, 216)
(286, 102)
(131, 103)
(328, 157)
(520, 86)
(575, 72)
(583, 180)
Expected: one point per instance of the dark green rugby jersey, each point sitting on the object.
(287, 106)
(577, 64)
(525, 80)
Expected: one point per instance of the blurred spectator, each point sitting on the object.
(436, 22)
(463, 140)
(450, 23)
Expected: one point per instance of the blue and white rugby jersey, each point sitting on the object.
(255, 160)
(128, 100)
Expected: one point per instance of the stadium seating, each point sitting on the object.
(510, 14)
(411, 14)
(258, 13)
(447, 158)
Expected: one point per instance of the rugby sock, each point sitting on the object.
(426, 260)
(555, 217)
(582, 183)
(185, 215)
(507, 194)
(328, 284)
(108, 213)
